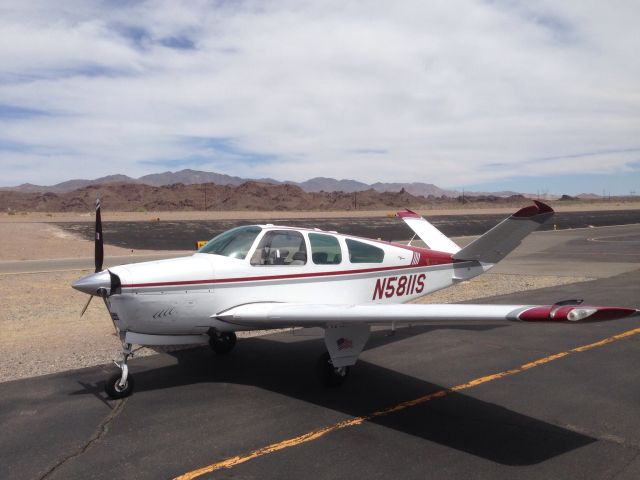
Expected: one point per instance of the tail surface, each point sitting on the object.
(498, 242)
(430, 235)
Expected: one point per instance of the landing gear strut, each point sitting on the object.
(222, 342)
(120, 385)
(329, 375)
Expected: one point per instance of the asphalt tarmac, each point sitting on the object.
(183, 235)
(500, 400)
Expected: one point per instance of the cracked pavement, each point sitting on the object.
(100, 431)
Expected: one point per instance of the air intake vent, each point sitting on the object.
(116, 285)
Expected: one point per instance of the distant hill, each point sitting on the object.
(71, 185)
(186, 177)
(415, 188)
(253, 196)
(588, 196)
(194, 177)
(247, 196)
(324, 184)
(317, 184)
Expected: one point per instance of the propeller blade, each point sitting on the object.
(86, 305)
(99, 253)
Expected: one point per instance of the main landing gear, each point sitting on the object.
(120, 385)
(222, 342)
(329, 375)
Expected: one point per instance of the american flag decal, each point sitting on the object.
(416, 258)
(344, 343)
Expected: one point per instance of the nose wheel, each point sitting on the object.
(329, 375)
(120, 385)
(115, 389)
(222, 342)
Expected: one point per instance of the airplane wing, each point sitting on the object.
(279, 315)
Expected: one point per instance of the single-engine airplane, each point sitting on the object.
(267, 276)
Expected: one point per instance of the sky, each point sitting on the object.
(533, 96)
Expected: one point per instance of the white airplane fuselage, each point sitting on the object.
(180, 296)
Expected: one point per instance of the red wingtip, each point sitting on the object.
(525, 212)
(532, 210)
(543, 207)
(573, 313)
(407, 214)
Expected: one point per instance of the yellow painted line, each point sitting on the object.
(321, 432)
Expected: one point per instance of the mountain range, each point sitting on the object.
(195, 177)
(249, 196)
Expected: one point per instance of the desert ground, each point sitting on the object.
(40, 319)
(449, 208)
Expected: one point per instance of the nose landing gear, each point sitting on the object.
(120, 385)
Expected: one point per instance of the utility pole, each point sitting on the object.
(204, 186)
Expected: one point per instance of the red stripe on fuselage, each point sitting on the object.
(274, 277)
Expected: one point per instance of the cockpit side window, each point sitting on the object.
(281, 247)
(234, 243)
(325, 249)
(360, 252)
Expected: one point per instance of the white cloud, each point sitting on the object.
(446, 89)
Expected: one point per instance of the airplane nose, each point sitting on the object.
(92, 283)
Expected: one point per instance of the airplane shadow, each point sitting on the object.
(285, 364)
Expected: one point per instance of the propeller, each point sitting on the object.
(99, 250)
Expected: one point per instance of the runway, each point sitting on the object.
(79, 263)
(183, 235)
(500, 400)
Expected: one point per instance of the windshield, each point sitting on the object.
(234, 243)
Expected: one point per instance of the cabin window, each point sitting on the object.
(360, 252)
(325, 249)
(281, 247)
(234, 243)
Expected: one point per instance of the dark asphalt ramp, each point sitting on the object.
(183, 235)
(577, 417)
(194, 406)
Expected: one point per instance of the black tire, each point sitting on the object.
(114, 391)
(330, 375)
(222, 342)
